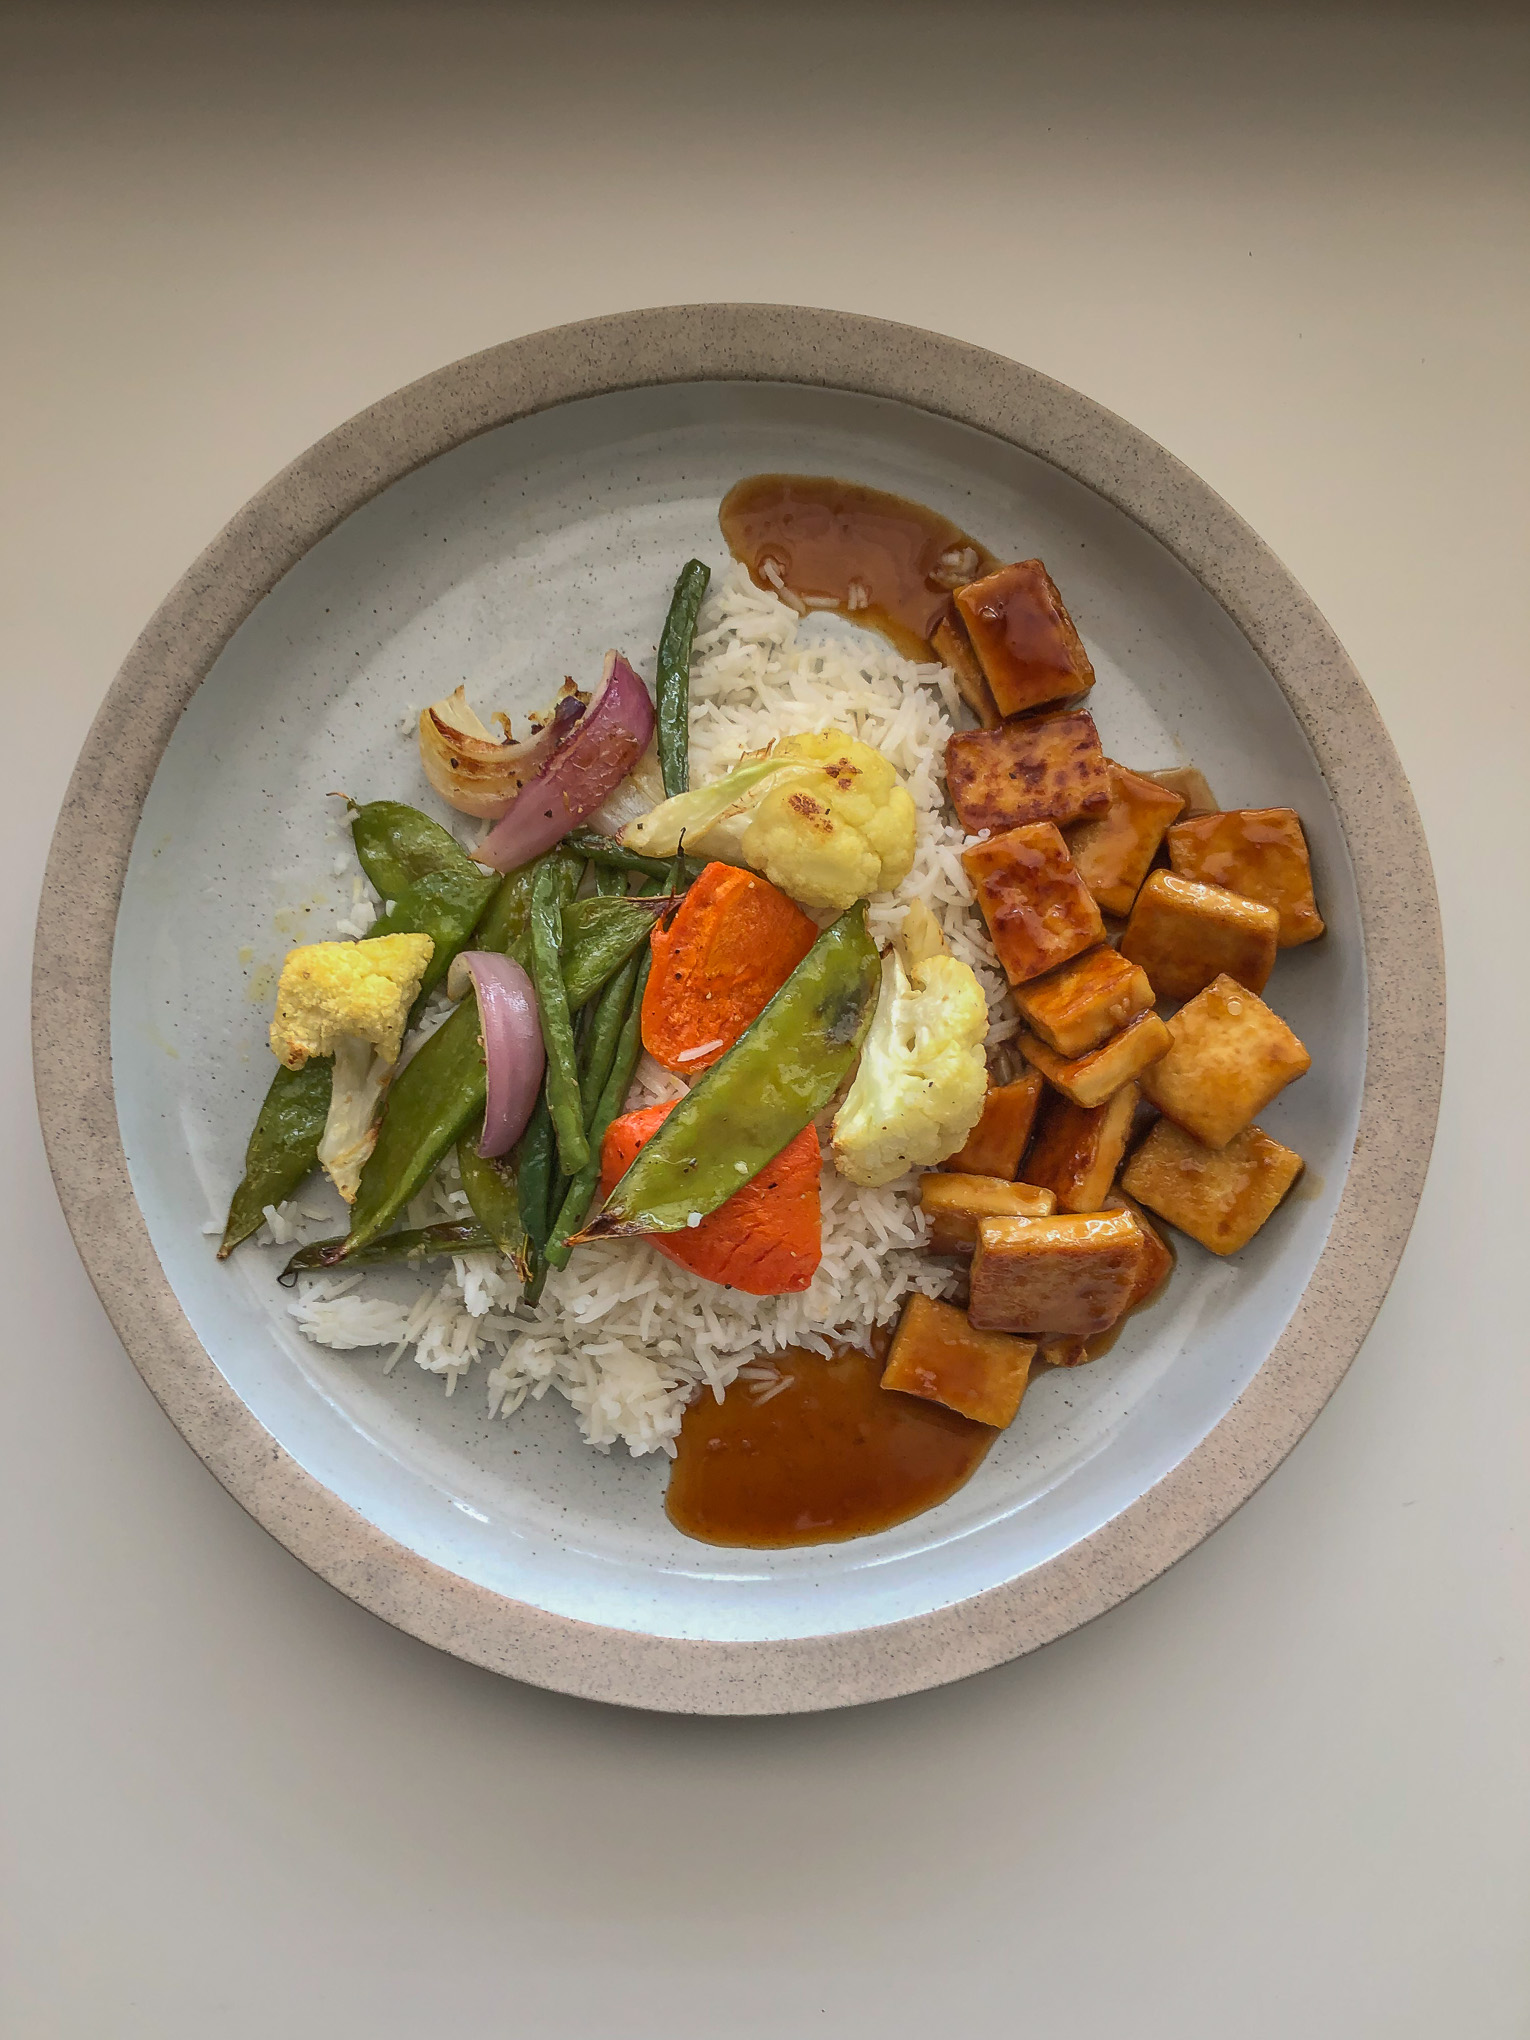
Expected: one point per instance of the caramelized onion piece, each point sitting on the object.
(478, 773)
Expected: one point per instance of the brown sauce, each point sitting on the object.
(876, 558)
(829, 1456)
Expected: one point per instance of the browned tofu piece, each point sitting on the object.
(938, 1354)
(996, 1143)
(1228, 1057)
(1024, 638)
(1045, 768)
(1081, 1004)
(1189, 782)
(1091, 1079)
(1036, 905)
(1060, 1274)
(1078, 1149)
(1259, 852)
(1157, 1263)
(1220, 1197)
(954, 1204)
(1185, 934)
(1114, 854)
(1063, 1349)
(953, 648)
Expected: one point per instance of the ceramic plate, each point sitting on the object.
(501, 523)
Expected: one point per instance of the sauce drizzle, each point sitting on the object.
(808, 1450)
(878, 559)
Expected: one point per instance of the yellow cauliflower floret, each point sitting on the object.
(923, 1074)
(841, 831)
(331, 990)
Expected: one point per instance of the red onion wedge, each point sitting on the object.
(512, 1043)
(589, 763)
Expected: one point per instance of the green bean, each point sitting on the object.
(534, 1173)
(441, 1090)
(609, 1016)
(453, 1236)
(493, 1194)
(672, 684)
(283, 1149)
(613, 1096)
(562, 1080)
(741, 1113)
(605, 850)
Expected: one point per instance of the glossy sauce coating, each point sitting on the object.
(829, 1456)
(876, 558)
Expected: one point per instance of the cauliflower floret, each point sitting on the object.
(843, 831)
(329, 990)
(923, 1074)
(824, 817)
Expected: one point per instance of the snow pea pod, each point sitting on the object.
(452, 1236)
(445, 905)
(283, 1149)
(491, 1192)
(441, 1090)
(397, 846)
(553, 1008)
(672, 681)
(772, 1082)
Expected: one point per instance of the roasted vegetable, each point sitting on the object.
(717, 965)
(672, 684)
(331, 990)
(923, 1075)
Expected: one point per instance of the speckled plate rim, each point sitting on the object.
(778, 343)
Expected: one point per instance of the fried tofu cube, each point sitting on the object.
(1091, 1079)
(1079, 1149)
(954, 1204)
(1219, 1196)
(1189, 782)
(1084, 1002)
(1228, 1057)
(996, 1143)
(1185, 934)
(952, 646)
(1064, 1349)
(1036, 905)
(1114, 853)
(1259, 852)
(1059, 1274)
(1046, 768)
(939, 1354)
(1024, 638)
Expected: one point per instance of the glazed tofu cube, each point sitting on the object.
(1189, 782)
(1157, 1263)
(1077, 1007)
(1060, 1274)
(1036, 905)
(1064, 1349)
(996, 1143)
(1090, 1079)
(953, 648)
(1184, 935)
(1228, 1057)
(1220, 1197)
(1114, 854)
(1259, 852)
(1046, 768)
(1079, 1149)
(938, 1354)
(1024, 638)
(954, 1204)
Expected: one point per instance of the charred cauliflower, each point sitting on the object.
(332, 989)
(824, 817)
(923, 1074)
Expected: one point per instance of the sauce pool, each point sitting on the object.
(878, 559)
(809, 1450)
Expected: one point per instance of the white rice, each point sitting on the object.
(622, 1333)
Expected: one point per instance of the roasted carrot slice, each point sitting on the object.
(766, 1240)
(732, 944)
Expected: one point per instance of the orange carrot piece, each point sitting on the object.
(766, 1240)
(733, 943)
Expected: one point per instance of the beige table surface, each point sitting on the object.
(1281, 1793)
